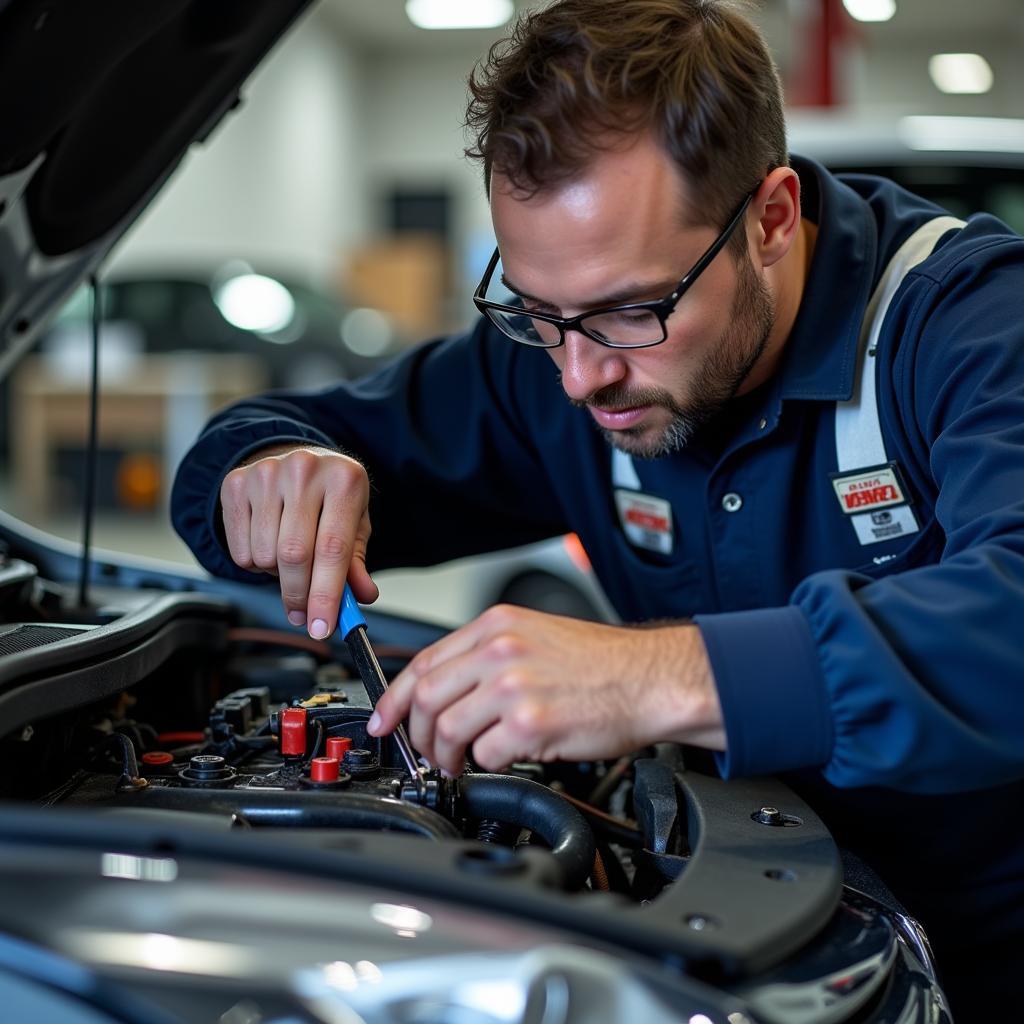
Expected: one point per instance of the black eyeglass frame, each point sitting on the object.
(662, 308)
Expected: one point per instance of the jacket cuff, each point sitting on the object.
(771, 689)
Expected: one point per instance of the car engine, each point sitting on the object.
(173, 706)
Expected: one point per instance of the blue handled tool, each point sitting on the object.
(352, 626)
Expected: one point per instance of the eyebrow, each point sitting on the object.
(627, 293)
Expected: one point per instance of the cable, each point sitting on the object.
(314, 751)
(129, 764)
(610, 780)
(618, 880)
(321, 648)
(600, 876)
(91, 451)
(281, 638)
(617, 829)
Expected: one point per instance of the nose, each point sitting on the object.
(587, 366)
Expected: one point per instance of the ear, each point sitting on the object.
(776, 220)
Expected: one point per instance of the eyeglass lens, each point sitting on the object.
(617, 327)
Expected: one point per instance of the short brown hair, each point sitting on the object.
(571, 76)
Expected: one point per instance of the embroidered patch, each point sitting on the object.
(646, 520)
(869, 490)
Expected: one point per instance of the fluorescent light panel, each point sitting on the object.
(450, 14)
(870, 10)
(963, 134)
(960, 73)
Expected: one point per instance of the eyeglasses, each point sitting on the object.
(634, 325)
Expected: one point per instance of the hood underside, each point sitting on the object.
(99, 101)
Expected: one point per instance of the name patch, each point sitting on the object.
(876, 502)
(646, 520)
(869, 490)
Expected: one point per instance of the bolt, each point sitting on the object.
(207, 768)
(769, 816)
(359, 758)
(361, 764)
(699, 923)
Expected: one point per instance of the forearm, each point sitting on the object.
(686, 707)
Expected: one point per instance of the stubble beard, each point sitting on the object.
(717, 379)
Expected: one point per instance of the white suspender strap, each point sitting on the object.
(623, 471)
(858, 432)
(859, 441)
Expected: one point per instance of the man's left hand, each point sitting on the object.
(522, 685)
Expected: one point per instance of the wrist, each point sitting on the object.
(282, 449)
(687, 705)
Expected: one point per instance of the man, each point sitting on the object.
(808, 398)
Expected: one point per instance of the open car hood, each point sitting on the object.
(99, 102)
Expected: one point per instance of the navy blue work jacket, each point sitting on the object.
(886, 681)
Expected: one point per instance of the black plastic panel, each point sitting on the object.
(114, 92)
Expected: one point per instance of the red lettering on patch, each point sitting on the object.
(875, 496)
(646, 520)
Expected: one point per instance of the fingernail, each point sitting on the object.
(374, 723)
(319, 629)
(297, 618)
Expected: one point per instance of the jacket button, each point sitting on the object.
(732, 502)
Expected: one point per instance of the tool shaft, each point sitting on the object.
(376, 685)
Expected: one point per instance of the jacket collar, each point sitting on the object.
(820, 357)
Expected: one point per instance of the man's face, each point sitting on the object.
(616, 234)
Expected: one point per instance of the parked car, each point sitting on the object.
(195, 824)
(300, 334)
(965, 164)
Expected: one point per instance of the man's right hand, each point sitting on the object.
(300, 513)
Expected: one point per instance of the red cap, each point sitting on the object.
(323, 769)
(157, 757)
(293, 732)
(337, 746)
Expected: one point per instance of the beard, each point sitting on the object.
(716, 381)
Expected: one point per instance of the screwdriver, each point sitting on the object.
(353, 631)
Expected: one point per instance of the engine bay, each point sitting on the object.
(173, 703)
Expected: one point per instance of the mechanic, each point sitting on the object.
(806, 479)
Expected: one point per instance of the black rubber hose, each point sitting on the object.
(530, 805)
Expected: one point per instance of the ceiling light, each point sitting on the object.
(255, 303)
(960, 72)
(870, 10)
(459, 13)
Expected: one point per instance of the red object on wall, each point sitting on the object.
(813, 82)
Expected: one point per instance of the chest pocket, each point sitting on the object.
(868, 486)
(656, 578)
